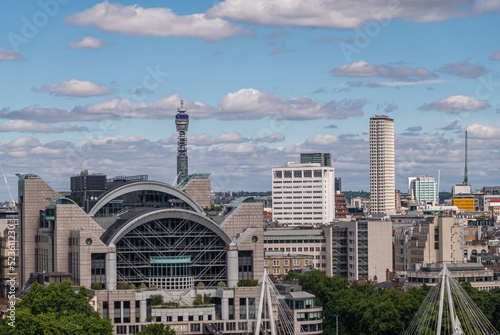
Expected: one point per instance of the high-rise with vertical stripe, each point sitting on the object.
(382, 172)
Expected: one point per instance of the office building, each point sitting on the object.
(338, 185)
(303, 194)
(432, 239)
(86, 188)
(359, 250)
(423, 189)
(323, 158)
(355, 250)
(145, 233)
(463, 198)
(382, 178)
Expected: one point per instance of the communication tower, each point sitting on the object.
(182, 123)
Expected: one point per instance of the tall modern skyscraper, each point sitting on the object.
(182, 123)
(382, 178)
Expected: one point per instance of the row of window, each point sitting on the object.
(298, 173)
(298, 192)
(299, 249)
(286, 262)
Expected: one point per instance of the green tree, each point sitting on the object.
(156, 299)
(157, 329)
(56, 309)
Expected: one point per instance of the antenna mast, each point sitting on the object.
(438, 185)
(466, 178)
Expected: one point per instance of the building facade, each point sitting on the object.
(323, 158)
(434, 239)
(382, 171)
(151, 235)
(303, 194)
(361, 249)
(423, 189)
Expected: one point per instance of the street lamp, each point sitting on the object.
(337, 318)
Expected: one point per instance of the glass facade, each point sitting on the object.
(171, 238)
(143, 198)
(363, 250)
(98, 269)
(339, 251)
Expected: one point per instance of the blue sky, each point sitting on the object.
(95, 85)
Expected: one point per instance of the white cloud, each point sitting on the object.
(481, 131)
(236, 148)
(9, 55)
(495, 55)
(75, 88)
(455, 104)
(322, 139)
(365, 69)
(88, 43)
(165, 107)
(272, 138)
(34, 127)
(247, 166)
(345, 13)
(250, 104)
(393, 83)
(464, 69)
(206, 140)
(138, 21)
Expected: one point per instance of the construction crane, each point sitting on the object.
(466, 178)
(12, 202)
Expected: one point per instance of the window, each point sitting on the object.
(300, 249)
(266, 263)
(276, 262)
(285, 262)
(288, 174)
(276, 271)
(121, 329)
(180, 318)
(297, 174)
(278, 174)
(306, 262)
(306, 249)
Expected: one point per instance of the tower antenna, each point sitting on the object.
(466, 178)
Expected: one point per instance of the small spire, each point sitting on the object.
(182, 103)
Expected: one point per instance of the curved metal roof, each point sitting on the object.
(146, 185)
(141, 216)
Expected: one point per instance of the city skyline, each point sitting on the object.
(82, 90)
